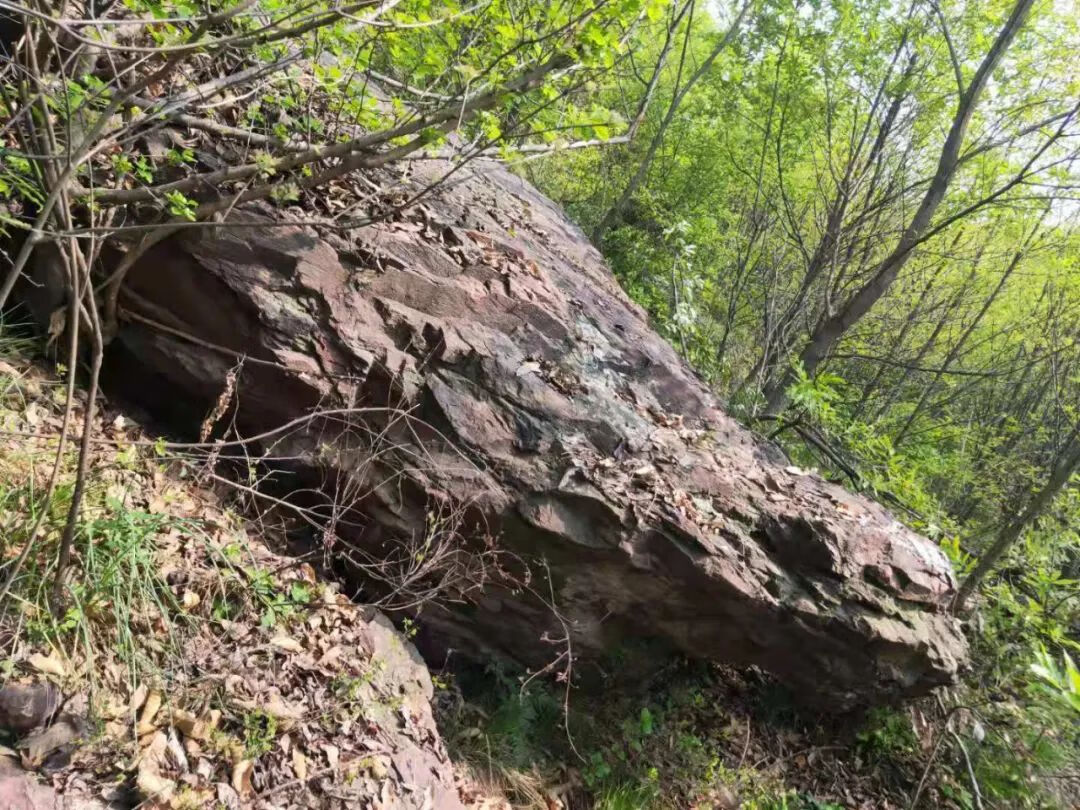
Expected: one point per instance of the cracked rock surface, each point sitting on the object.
(538, 395)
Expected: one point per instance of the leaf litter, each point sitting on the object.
(288, 695)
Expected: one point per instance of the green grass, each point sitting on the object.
(116, 606)
(120, 585)
(626, 797)
(661, 749)
(886, 734)
(260, 731)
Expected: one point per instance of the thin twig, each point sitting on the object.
(977, 793)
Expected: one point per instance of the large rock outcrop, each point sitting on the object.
(539, 396)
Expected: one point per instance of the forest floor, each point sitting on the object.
(694, 735)
(197, 665)
(193, 666)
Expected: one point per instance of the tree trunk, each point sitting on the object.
(1067, 464)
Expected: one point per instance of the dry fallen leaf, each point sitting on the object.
(149, 712)
(726, 799)
(49, 664)
(286, 643)
(185, 721)
(57, 324)
(193, 727)
(138, 698)
(378, 768)
(275, 706)
(280, 709)
(153, 785)
(227, 797)
(149, 779)
(331, 657)
(177, 755)
(299, 764)
(332, 755)
(116, 730)
(241, 777)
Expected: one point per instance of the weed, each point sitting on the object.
(350, 688)
(249, 586)
(789, 800)
(626, 797)
(887, 734)
(224, 745)
(187, 799)
(260, 731)
(119, 598)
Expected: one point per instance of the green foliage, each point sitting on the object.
(674, 744)
(121, 593)
(121, 598)
(1061, 683)
(180, 157)
(260, 732)
(1021, 678)
(276, 605)
(122, 165)
(886, 735)
(625, 798)
(816, 395)
(144, 171)
(180, 205)
(320, 77)
(789, 801)
(523, 726)
(17, 179)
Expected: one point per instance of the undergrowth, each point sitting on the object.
(698, 736)
(131, 600)
(172, 624)
(684, 741)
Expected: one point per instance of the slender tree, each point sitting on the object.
(1061, 473)
(681, 92)
(835, 322)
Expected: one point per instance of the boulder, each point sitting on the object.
(20, 792)
(475, 353)
(24, 706)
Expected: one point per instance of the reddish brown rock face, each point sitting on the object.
(540, 396)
